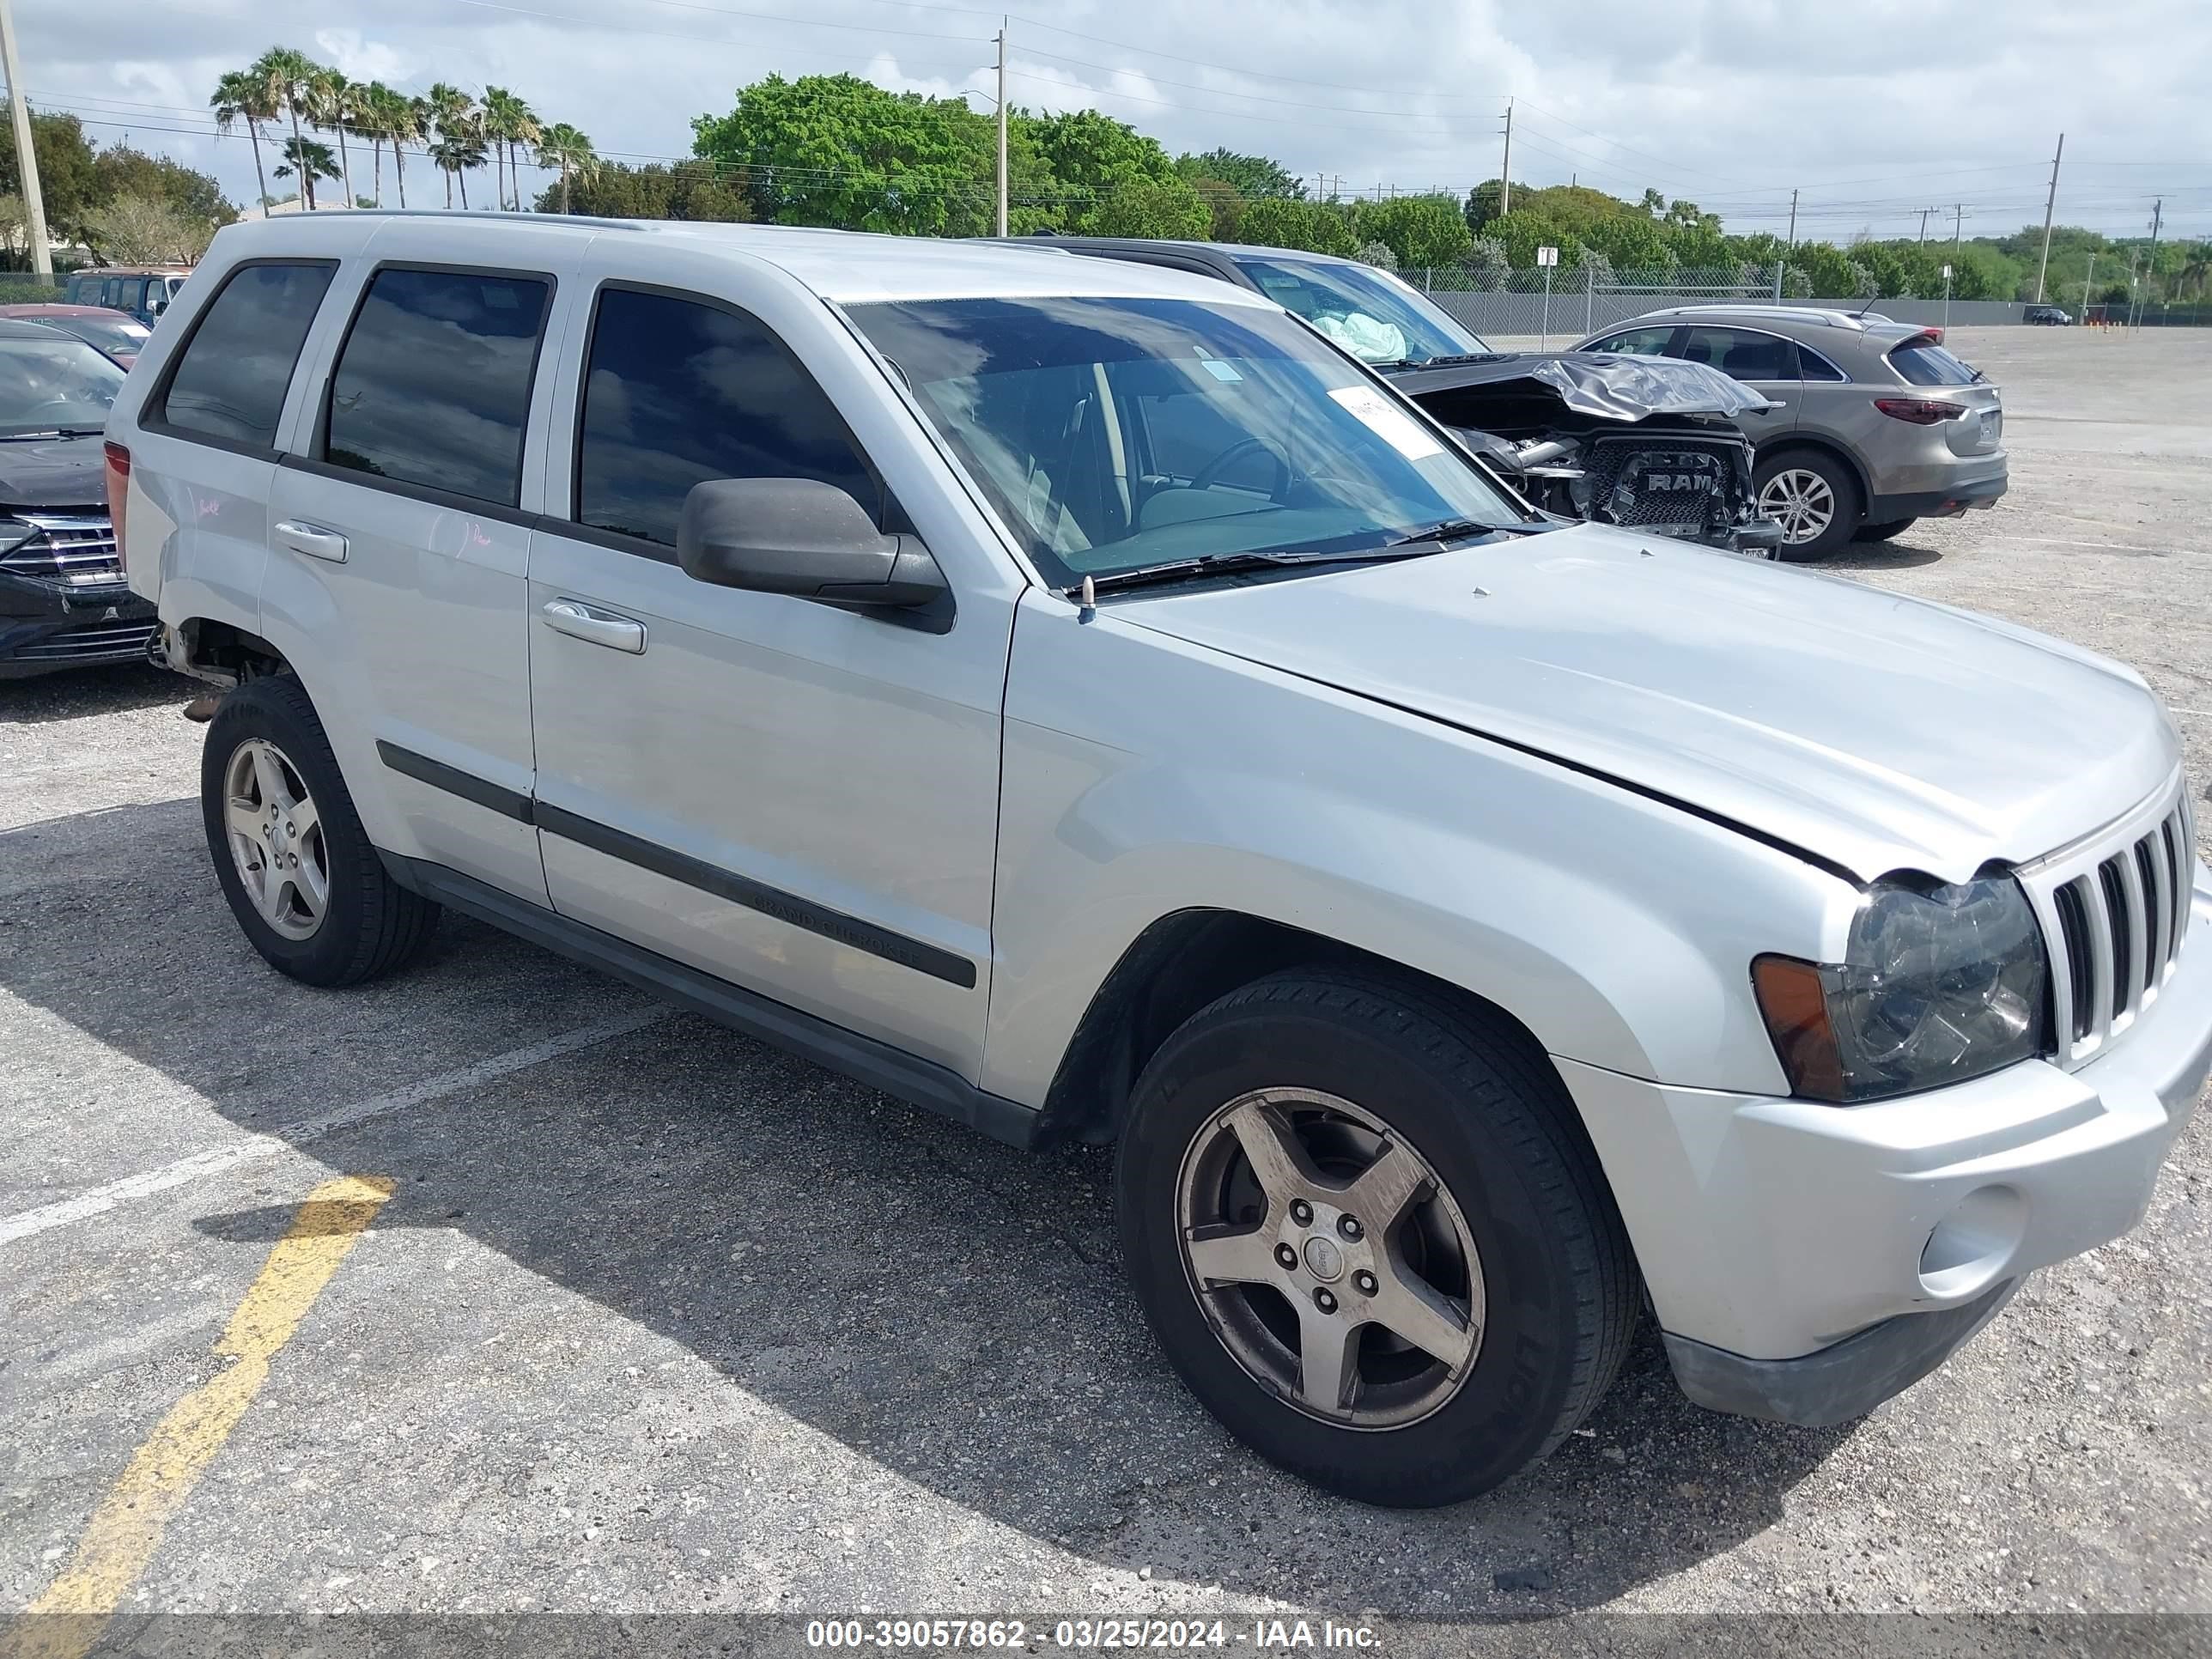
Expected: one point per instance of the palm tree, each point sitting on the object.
(240, 97)
(457, 126)
(561, 146)
(408, 124)
(282, 75)
(332, 102)
(308, 159)
(507, 123)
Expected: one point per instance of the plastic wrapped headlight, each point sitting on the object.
(1938, 984)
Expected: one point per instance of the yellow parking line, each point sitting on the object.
(66, 1621)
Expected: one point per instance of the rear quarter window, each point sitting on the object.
(230, 380)
(1930, 365)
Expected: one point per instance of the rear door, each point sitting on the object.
(1765, 362)
(797, 798)
(399, 544)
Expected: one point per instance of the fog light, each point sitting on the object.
(1970, 1246)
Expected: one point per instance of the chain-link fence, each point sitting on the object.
(27, 288)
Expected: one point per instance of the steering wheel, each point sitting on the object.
(1209, 475)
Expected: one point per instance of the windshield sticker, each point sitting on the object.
(1219, 370)
(1375, 410)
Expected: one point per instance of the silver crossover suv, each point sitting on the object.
(1874, 423)
(1079, 699)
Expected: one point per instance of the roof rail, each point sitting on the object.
(502, 214)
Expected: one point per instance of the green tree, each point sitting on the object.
(282, 75)
(146, 230)
(688, 190)
(455, 128)
(564, 149)
(1421, 231)
(124, 171)
(66, 175)
(1377, 254)
(1225, 206)
(331, 101)
(307, 160)
(508, 122)
(1250, 176)
(835, 149)
(1521, 233)
(1279, 222)
(240, 97)
(1165, 207)
(1486, 263)
(1091, 157)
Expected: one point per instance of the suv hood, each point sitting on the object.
(52, 472)
(1872, 732)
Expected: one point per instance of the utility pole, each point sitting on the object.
(1002, 125)
(2134, 253)
(2086, 281)
(2050, 202)
(26, 158)
(1958, 227)
(1778, 263)
(1924, 212)
(2150, 260)
(1504, 175)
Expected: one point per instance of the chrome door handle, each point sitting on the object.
(312, 539)
(583, 622)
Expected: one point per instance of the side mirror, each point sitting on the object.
(803, 538)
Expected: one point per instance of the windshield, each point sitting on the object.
(54, 384)
(1113, 434)
(1370, 312)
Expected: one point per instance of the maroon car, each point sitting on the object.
(116, 334)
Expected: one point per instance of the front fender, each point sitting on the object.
(1144, 775)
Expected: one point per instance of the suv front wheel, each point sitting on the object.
(1371, 1238)
(302, 878)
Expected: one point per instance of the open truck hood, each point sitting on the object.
(1605, 385)
(1872, 732)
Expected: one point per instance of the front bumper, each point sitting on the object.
(1806, 1262)
(44, 627)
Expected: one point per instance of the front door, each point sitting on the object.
(1765, 362)
(800, 800)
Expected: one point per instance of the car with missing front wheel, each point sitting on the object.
(1471, 928)
(1870, 426)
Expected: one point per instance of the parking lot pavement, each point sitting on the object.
(658, 1319)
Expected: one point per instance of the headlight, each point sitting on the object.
(1938, 984)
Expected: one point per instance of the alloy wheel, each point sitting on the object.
(1330, 1260)
(1802, 500)
(275, 838)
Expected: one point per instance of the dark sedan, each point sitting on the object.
(63, 602)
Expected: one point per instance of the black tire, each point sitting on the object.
(371, 926)
(1495, 1124)
(1843, 486)
(1882, 532)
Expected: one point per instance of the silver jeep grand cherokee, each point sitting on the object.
(1077, 698)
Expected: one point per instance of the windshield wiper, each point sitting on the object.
(1231, 564)
(1447, 360)
(1457, 530)
(45, 432)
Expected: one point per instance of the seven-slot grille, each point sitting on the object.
(74, 549)
(2114, 911)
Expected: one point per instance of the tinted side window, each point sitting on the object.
(1811, 365)
(230, 381)
(677, 392)
(1742, 353)
(433, 384)
(1638, 342)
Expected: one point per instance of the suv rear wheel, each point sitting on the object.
(1369, 1238)
(306, 887)
(1813, 496)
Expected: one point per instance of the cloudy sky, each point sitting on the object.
(1874, 110)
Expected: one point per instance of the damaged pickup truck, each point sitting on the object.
(1651, 444)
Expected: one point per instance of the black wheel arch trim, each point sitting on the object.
(785, 907)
